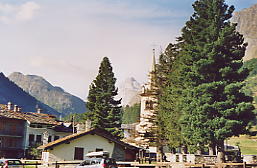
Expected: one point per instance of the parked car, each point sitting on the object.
(11, 163)
(98, 163)
(99, 154)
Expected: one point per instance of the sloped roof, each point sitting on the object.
(38, 118)
(41, 118)
(10, 114)
(98, 131)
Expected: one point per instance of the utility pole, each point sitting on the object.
(73, 124)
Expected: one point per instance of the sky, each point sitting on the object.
(64, 41)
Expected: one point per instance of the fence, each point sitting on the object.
(72, 164)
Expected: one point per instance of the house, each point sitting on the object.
(43, 128)
(21, 130)
(12, 133)
(76, 146)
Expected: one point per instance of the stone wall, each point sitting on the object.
(250, 158)
(192, 158)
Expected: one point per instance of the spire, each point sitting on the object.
(154, 62)
(151, 79)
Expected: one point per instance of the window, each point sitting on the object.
(49, 126)
(49, 138)
(39, 138)
(11, 142)
(14, 162)
(1, 125)
(1, 141)
(13, 128)
(86, 162)
(31, 138)
(78, 153)
(99, 149)
(149, 105)
(39, 126)
(56, 137)
(33, 125)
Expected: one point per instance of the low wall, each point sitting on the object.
(250, 158)
(192, 158)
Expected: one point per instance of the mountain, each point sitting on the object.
(10, 92)
(250, 87)
(247, 25)
(53, 96)
(129, 91)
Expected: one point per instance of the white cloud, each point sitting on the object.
(27, 11)
(68, 41)
(10, 13)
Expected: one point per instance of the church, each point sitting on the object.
(146, 129)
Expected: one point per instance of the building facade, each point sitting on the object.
(12, 133)
(43, 128)
(76, 146)
(20, 131)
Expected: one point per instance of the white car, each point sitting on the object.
(98, 163)
(11, 163)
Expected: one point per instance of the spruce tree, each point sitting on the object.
(104, 110)
(131, 114)
(214, 107)
(169, 98)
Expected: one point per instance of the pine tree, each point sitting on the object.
(104, 110)
(131, 114)
(169, 98)
(214, 106)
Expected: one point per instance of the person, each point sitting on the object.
(150, 160)
(137, 158)
(164, 158)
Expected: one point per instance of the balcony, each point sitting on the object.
(10, 136)
(10, 148)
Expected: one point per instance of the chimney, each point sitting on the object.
(15, 108)
(19, 109)
(39, 110)
(9, 106)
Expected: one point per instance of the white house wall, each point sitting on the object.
(88, 142)
(40, 131)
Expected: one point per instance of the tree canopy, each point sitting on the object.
(104, 110)
(131, 114)
(169, 98)
(215, 107)
(204, 90)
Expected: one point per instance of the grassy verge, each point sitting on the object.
(30, 166)
(247, 144)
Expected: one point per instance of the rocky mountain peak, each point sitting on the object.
(10, 92)
(129, 91)
(246, 20)
(131, 83)
(29, 81)
(44, 91)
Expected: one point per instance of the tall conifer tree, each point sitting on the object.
(169, 98)
(104, 110)
(214, 106)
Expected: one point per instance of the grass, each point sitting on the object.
(30, 166)
(247, 144)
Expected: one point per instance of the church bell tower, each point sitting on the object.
(146, 129)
